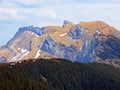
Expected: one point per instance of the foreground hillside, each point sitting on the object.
(58, 74)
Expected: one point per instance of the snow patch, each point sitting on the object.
(63, 34)
(35, 34)
(38, 54)
(18, 48)
(23, 50)
(32, 33)
(14, 58)
(98, 32)
(23, 53)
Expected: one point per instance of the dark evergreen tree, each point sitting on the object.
(58, 74)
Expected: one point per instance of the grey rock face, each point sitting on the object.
(87, 53)
(73, 42)
(75, 33)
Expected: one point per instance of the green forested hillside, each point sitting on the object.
(58, 74)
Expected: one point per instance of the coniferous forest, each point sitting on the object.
(58, 74)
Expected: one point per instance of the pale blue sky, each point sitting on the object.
(19, 13)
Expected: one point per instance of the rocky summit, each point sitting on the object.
(84, 42)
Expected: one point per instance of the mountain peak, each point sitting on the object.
(73, 42)
(27, 28)
(31, 28)
(67, 24)
(93, 24)
(97, 26)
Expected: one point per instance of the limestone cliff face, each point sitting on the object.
(84, 42)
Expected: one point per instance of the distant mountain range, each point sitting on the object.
(84, 42)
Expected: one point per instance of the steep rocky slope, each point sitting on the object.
(84, 42)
